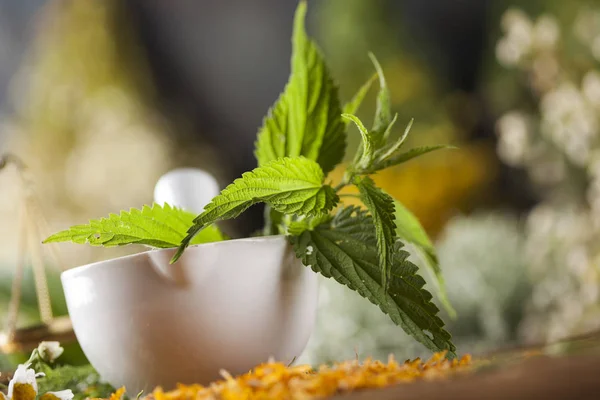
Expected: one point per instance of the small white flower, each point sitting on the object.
(50, 351)
(309, 250)
(514, 141)
(515, 19)
(61, 395)
(546, 32)
(24, 376)
(507, 53)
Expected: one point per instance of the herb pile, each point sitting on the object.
(302, 139)
(274, 380)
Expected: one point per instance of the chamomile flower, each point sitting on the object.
(61, 395)
(50, 351)
(23, 385)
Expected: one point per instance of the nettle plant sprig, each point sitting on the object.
(302, 139)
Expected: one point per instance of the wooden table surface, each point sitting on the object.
(572, 378)
(566, 370)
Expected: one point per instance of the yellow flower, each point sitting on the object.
(23, 385)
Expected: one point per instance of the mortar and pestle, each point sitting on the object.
(229, 305)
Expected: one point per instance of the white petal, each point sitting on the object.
(63, 394)
(23, 374)
(50, 351)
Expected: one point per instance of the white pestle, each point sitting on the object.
(188, 188)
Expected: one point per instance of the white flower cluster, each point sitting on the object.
(523, 36)
(562, 263)
(23, 385)
(559, 146)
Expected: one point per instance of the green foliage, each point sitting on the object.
(376, 153)
(302, 139)
(383, 113)
(381, 207)
(299, 225)
(410, 230)
(156, 226)
(288, 185)
(399, 158)
(345, 249)
(305, 120)
(83, 380)
(393, 148)
(364, 158)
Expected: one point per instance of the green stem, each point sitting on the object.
(348, 176)
(35, 355)
(340, 186)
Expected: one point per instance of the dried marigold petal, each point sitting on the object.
(118, 395)
(276, 380)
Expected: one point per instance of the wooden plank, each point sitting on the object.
(575, 377)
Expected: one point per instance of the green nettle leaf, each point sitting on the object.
(345, 249)
(296, 227)
(156, 226)
(396, 146)
(409, 229)
(381, 207)
(287, 185)
(353, 105)
(375, 153)
(408, 155)
(383, 112)
(367, 151)
(305, 120)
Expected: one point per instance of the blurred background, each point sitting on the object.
(102, 98)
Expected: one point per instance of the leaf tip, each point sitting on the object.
(300, 16)
(178, 253)
(52, 238)
(378, 69)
